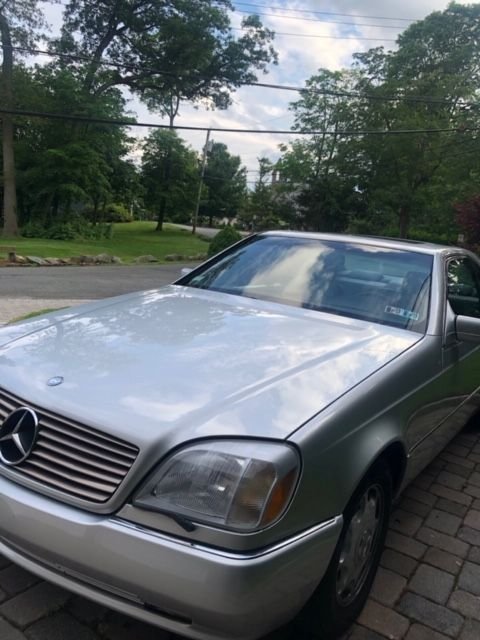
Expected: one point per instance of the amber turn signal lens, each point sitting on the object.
(281, 494)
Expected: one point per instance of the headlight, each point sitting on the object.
(238, 485)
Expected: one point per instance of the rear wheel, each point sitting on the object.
(341, 595)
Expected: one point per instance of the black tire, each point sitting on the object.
(328, 614)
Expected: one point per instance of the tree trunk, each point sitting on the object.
(167, 171)
(10, 221)
(403, 221)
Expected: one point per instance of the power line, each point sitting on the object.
(304, 11)
(129, 123)
(320, 21)
(326, 13)
(264, 85)
(322, 37)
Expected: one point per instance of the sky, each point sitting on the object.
(299, 58)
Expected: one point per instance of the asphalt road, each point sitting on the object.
(84, 283)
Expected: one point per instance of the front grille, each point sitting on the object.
(72, 458)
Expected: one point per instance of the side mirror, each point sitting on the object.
(467, 329)
(185, 271)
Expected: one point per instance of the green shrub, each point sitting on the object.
(222, 240)
(117, 213)
(76, 228)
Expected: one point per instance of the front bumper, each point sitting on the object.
(188, 589)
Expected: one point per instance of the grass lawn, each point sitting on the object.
(129, 241)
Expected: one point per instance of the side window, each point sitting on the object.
(463, 287)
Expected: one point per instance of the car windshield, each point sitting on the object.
(373, 283)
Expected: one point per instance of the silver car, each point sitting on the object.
(219, 456)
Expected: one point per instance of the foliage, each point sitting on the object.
(62, 168)
(226, 182)
(468, 219)
(340, 180)
(76, 227)
(169, 175)
(165, 52)
(224, 239)
(117, 212)
(19, 25)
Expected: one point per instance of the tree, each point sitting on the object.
(395, 178)
(315, 170)
(169, 175)
(226, 181)
(164, 52)
(468, 219)
(437, 57)
(63, 168)
(19, 22)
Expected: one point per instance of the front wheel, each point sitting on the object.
(341, 595)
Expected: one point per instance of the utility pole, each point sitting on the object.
(202, 175)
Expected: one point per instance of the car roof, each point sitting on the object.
(374, 241)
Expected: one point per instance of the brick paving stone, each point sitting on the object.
(474, 457)
(458, 460)
(451, 480)
(419, 632)
(472, 536)
(442, 541)
(467, 439)
(39, 601)
(420, 495)
(124, 628)
(430, 614)
(472, 490)
(432, 583)
(475, 479)
(443, 560)
(435, 467)
(451, 494)
(405, 545)
(86, 610)
(14, 579)
(457, 449)
(412, 506)
(458, 470)
(443, 521)
(474, 555)
(383, 620)
(454, 508)
(60, 626)
(472, 519)
(388, 586)
(465, 603)
(469, 578)
(405, 522)
(476, 504)
(471, 630)
(362, 633)
(424, 481)
(398, 562)
(7, 632)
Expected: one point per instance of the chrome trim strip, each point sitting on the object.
(325, 527)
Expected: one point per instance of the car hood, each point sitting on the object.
(179, 363)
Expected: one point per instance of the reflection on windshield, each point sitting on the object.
(371, 283)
